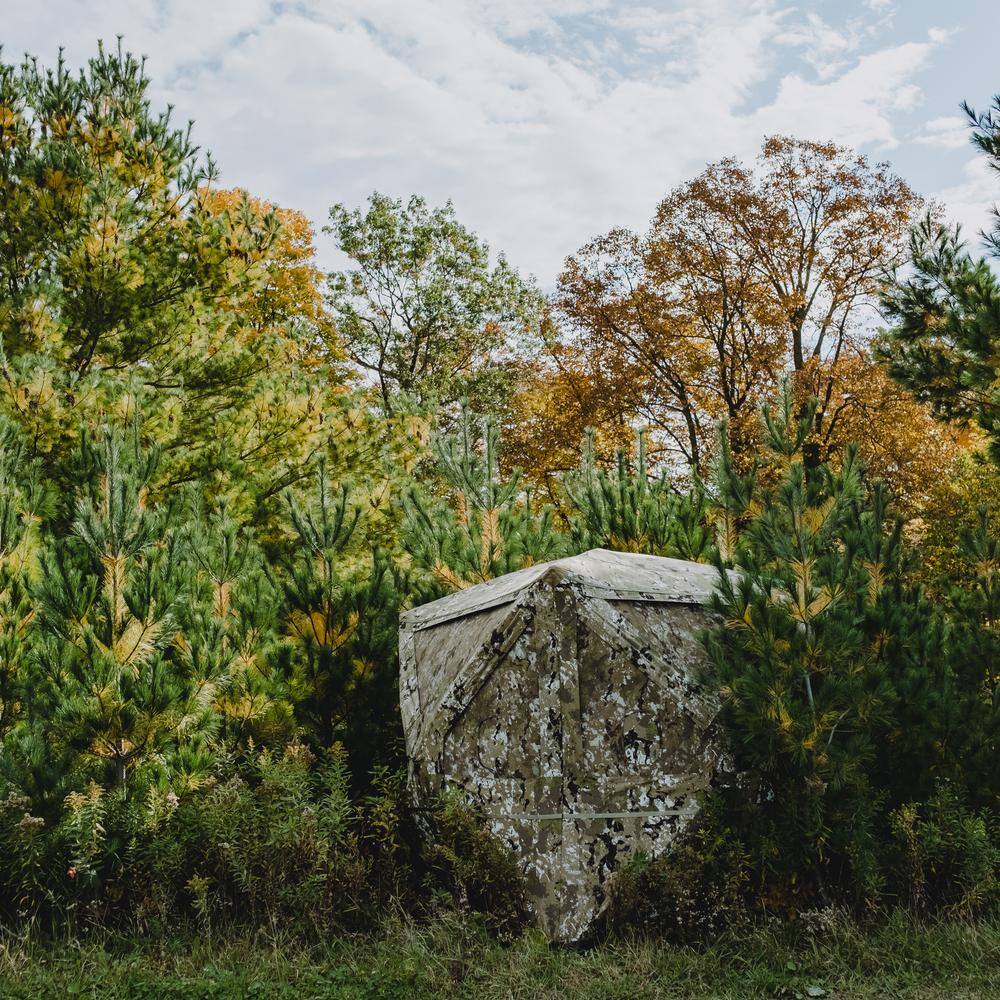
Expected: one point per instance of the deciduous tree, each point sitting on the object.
(747, 273)
(423, 311)
(556, 402)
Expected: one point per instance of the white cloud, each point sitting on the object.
(941, 35)
(857, 108)
(946, 132)
(546, 121)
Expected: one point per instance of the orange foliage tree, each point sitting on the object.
(746, 274)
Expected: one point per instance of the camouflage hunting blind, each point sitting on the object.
(562, 701)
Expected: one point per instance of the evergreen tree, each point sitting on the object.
(342, 620)
(486, 525)
(128, 289)
(112, 684)
(231, 631)
(946, 325)
(945, 313)
(818, 631)
(24, 503)
(734, 499)
(965, 712)
(630, 511)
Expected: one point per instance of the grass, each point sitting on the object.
(898, 959)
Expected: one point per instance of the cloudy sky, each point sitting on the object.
(545, 121)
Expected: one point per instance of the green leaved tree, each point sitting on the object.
(341, 615)
(423, 311)
(965, 711)
(231, 630)
(945, 314)
(25, 501)
(110, 681)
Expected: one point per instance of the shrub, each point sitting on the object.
(276, 842)
(475, 867)
(945, 856)
(688, 895)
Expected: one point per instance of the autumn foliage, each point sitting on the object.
(746, 274)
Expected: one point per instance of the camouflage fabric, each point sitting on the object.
(562, 701)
